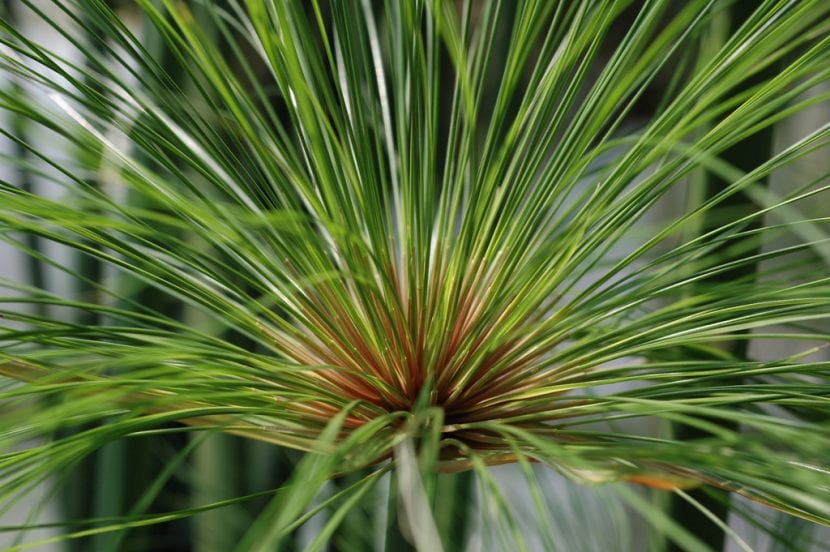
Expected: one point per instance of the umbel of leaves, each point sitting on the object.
(425, 227)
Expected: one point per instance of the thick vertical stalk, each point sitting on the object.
(125, 469)
(357, 532)
(102, 483)
(746, 156)
(395, 539)
(34, 268)
(227, 465)
(105, 467)
(76, 498)
(454, 502)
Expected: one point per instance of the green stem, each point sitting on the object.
(746, 156)
(358, 530)
(395, 539)
(19, 126)
(453, 508)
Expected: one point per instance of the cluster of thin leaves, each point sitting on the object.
(436, 248)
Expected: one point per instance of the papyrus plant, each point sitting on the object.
(437, 223)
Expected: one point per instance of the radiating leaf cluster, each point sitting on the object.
(437, 224)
